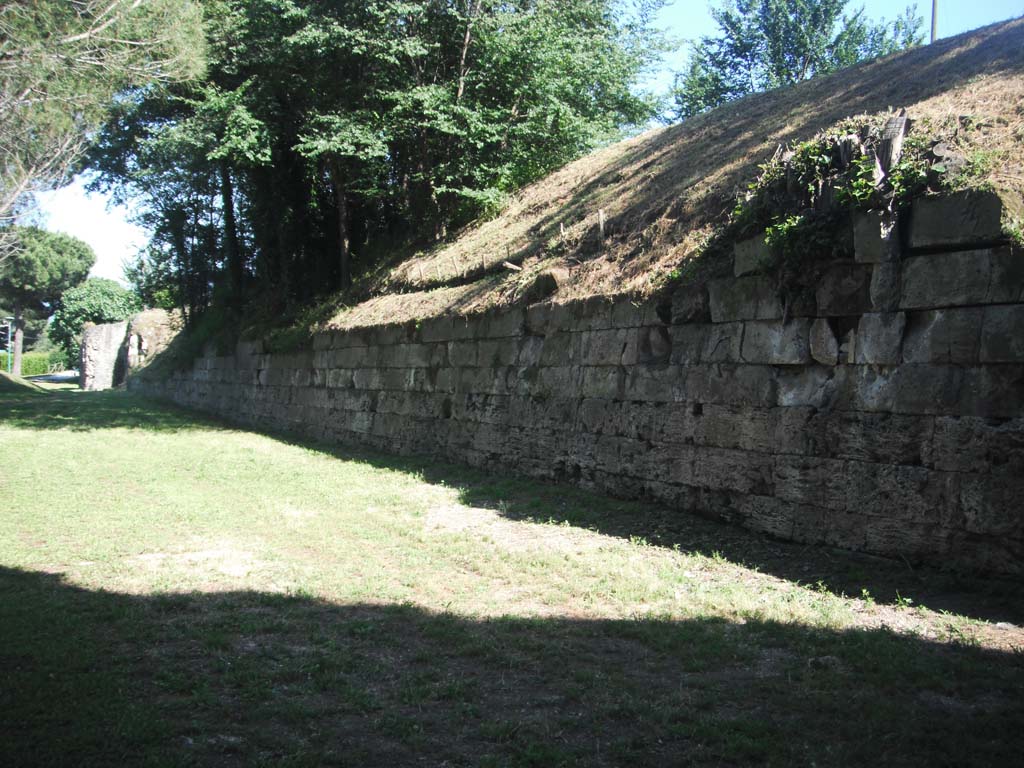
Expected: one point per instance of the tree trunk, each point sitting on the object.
(344, 241)
(18, 330)
(472, 10)
(232, 253)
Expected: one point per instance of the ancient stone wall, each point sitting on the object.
(885, 413)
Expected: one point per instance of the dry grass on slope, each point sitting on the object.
(662, 193)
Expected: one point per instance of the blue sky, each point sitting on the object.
(115, 239)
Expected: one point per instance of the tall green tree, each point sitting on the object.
(61, 64)
(327, 131)
(41, 267)
(766, 44)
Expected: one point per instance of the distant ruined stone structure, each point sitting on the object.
(112, 350)
(100, 354)
(883, 414)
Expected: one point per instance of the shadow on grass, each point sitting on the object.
(79, 411)
(93, 678)
(843, 573)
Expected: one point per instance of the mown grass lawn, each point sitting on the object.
(177, 592)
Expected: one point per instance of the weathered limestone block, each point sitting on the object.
(627, 313)
(823, 345)
(728, 384)
(812, 386)
(530, 350)
(843, 290)
(508, 321)
(690, 305)
(688, 342)
(497, 352)
(993, 391)
(752, 256)
(943, 336)
(463, 354)
(876, 237)
(1002, 334)
(537, 315)
(884, 290)
(985, 276)
(730, 470)
(723, 343)
(744, 298)
(606, 347)
(992, 505)
(897, 492)
(885, 438)
(651, 383)
(775, 343)
(810, 480)
(981, 446)
(911, 389)
(731, 426)
(654, 345)
(561, 348)
(961, 219)
(880, 338)
(599, 382)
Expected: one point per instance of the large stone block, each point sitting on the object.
(985, 276)
(885, 286)
(744, 298)
(885, 438)
(910, 389)
(688, 342)
(730, 470)
(690, 304)
(752, 256)
(775, 343)
(992, 505)
(943, 336)
(813, 481)
(605, 347)
(651, 383)
(876, 237)
(463, 354)
(844, 289)
(978, 445)
(812, 386)
(723, 343)
(498, 352)
(992, 391)
(1002, 334)
(728, 384)
(600, 382)
(823, 344)
(961, 219)
(731, 426)
(561, 348)
(880, 338)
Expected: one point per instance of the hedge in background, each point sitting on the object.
(32, 363)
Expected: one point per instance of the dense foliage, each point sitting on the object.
(328, 131)
(61, 64)
(97, 300)
(765, 44)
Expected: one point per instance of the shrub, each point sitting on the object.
(97, 300)
(32, 363)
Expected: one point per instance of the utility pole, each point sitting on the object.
(935, 18)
